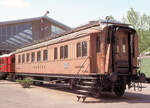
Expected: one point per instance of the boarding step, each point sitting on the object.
(83, 91)
(84, 87)
(81, 96)
(88, 82)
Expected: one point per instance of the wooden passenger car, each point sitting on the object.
(102, 51)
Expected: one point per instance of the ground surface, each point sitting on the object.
(12, 95)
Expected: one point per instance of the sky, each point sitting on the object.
(70, 12)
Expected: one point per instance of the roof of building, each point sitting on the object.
(17, 33)
(34, 19)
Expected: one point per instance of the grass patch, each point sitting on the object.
(145, 66)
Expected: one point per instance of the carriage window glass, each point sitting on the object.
(66, 51)
(55, 53)
(13, 60)
(28, 57)
(98, 44)
(33, 56)
(61, 52)
(84, 48)
(45, 55)
(124, 45)
(19, 59)
(78, 49)
(39, 56)
(23, 58)
(117, 46)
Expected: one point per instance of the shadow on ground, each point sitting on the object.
(129, 97)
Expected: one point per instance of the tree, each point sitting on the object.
(141, 23)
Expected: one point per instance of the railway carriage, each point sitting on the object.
(7, 65)
(97, 57)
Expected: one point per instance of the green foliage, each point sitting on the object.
(142, 25)
(145, 66)
(26, 82)
(112, 18)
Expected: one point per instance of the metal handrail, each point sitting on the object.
(82, 65)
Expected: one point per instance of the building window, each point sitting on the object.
(84, 48)
(56, 30)
(33, 56)
(39, 56)
(45, 55)
(78, 49)
(61, 52)
(124, 45)
(23, 58)
(19, 59)
(66, 51)
(55, 53)
(28, 57)
(98, 44)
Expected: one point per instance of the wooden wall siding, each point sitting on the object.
(69, 65)
(93, 53)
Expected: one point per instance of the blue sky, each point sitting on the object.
(70, 12)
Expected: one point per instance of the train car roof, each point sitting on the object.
(6, 55)
(74, 33)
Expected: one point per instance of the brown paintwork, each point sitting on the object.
(97, 62)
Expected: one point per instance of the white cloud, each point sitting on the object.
(15, 3)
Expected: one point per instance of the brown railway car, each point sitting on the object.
(99, 57)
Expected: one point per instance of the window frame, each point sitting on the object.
(38, 56)
(55, 53)
(65, 51)
(79, 49)
(124, 47)
(19, 59)
(61, 52)
(98, 44)
(84, 49)
(33, 57)
(28, 57)
(45, 55)
(23, 58)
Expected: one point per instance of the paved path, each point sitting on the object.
(12, 95)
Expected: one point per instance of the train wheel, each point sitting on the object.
(119, 90)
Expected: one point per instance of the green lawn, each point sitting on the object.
(145, 66)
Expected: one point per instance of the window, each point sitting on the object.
(55, 53)
(117, 46)
(78, 49)
(23, 58)
(66, 51)
(39, 56)
(45, 55)
(56, 30)
(84, 48)
(13, 60)
(98, 44)
(61, 52)
(33, 56)
(19, 59)
(123, 45)
(28, 57)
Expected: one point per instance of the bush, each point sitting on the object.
(26, 82)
